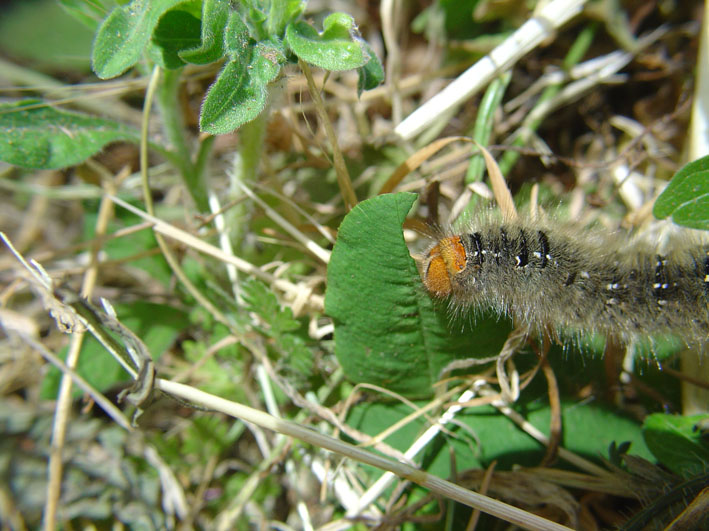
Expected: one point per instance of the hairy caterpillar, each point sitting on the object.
(544, 276)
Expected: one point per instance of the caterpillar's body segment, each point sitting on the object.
(542, 277)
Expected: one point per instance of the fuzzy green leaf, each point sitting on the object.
(333, 49)
(239, 93)
(267, 60)
(232, 100)
(387, 330)
(123, 36)
(236, 36)
(686, 198)
(39, 136)
(281, 13)
(676, 442)
(177, 31)
(371, 75)
(215, 14)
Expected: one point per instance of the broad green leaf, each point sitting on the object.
(177, 31)
(686, 198)
(333, 49)
(387, 330)
(371, 75)
(123, 36)
(589, 429)
(677, 443)
(157, 325)
(215, 14)
(39, 136)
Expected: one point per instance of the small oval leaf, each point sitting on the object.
(676, 443)
(333, 49)
(686, 198)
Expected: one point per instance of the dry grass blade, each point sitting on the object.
(415, 160)
(502, 193)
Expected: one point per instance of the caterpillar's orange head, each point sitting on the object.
(446, 259)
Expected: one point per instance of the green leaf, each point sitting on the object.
(388, 331)
(239, 93)
(236, 37)
(124, 34)
(333, 49)
(39, 136)
(589, 429)
(280, 14)
(215, 14)
(262, 301)
(267, 60)
(177, 31)
(280, 323)
(686, 198)
(371, 75)
(676, 442)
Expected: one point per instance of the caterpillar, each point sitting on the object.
(545, 276)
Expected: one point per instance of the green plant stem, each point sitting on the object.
(173, 123)
(575, 54)
(172, 261)
(251, 136)
(343, 177)
(205, 150)
(246, 164)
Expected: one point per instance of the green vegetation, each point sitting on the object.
(206, 216)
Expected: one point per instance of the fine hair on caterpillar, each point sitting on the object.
(565, 279)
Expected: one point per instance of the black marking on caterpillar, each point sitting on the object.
(573, 280)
